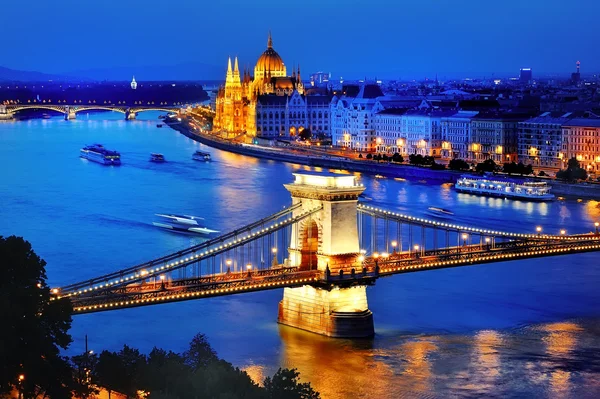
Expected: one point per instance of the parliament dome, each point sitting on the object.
(269, 61)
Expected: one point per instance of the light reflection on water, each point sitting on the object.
(514, 329)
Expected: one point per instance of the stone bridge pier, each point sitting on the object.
(4, 114)
(129, 114)
(328, 242)
(70, 113)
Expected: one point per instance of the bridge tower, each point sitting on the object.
(328, 242)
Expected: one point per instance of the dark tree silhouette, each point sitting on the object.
(486, 166)
(458, 164)
(200, 353)
(285, 385)
(573, 172)
(305, 134)
(33, 328)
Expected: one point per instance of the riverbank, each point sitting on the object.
(560, 189)
(327, 162)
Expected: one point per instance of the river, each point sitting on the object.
(514, 329)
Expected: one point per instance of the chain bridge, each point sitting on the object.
(324, 250)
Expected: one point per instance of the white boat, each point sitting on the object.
(201, 156)
(439, 212)
(183, 224)
(504, 188)
(97, 153)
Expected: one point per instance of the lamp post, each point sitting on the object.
(487, 242)
(249, 269)
(416, 247)
(274, 252)
(563, 232)
(21, 379)
(464, 237)
(539, 230)
(394, 245)
(597, 224)
(228, 263)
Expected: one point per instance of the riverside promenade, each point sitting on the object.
(560, 189)
(323, 161)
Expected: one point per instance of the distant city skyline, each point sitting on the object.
(383, 39)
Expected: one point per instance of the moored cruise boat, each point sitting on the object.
(97, 153)
(505, 188)
(183, 224)
(201, 156)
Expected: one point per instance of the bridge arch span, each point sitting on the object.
(137, 110)
(41, 106)
(98, 108)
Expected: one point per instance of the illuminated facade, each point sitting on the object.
(456, 134)
(540, 140)
(494, 136)
(352, 117)
(269, 103)
(581, 140)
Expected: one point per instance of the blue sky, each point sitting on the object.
(350, 38)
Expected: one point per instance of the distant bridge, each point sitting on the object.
(70, 111)
(325, 249)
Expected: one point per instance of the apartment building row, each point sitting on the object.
(368, 121)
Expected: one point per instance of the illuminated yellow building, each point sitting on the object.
(269, 103)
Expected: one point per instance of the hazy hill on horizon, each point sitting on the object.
(188, 71)
(180, 72)
(14, 75)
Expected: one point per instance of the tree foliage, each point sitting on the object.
(397, 158)
(305, 134)
(458, 164)
(487, 166)
(420, 160)
(573, 172)
(34, 328)
(517, 169)
(197, 373)
(285, 384)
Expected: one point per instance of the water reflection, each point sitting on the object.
(560, 341)
(336, 368)
(417, 374)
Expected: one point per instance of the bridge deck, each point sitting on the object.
(149, 292)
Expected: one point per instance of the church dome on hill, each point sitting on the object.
(269, 63)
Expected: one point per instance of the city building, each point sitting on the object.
(526, 76)
(320, 78)
(269, 103)
(540, 140)
(456, 134)
(494, 136)
(352, 116)
(576, 76)
(581, 140)
(388, 131)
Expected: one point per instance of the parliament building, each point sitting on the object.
(270, 103)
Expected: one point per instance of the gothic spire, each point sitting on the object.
(270, 41)
(235, 68)
(229, 66)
